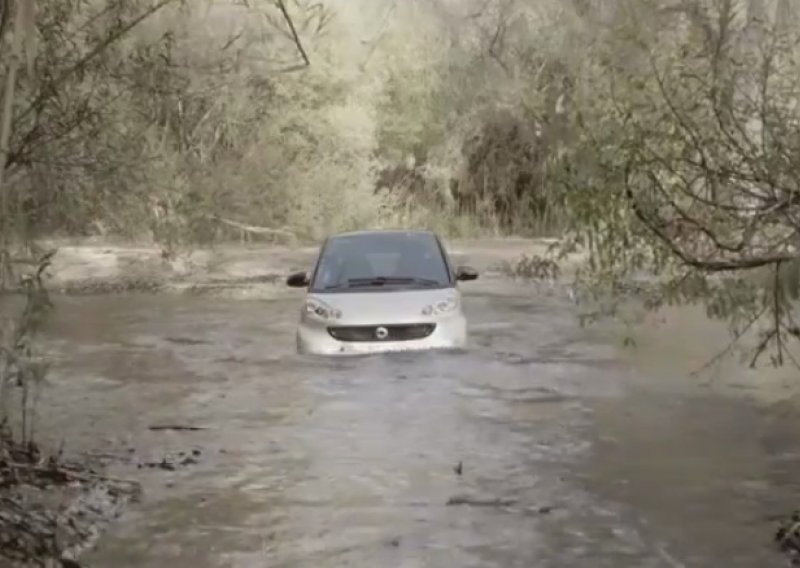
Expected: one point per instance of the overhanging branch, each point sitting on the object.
(282, 6)
(706, 265)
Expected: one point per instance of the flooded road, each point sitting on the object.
(568, 456)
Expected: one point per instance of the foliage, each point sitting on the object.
(158, 120)
(22, 367)
(533, 267)
(686, 158)
(460, 114)
(154, 119)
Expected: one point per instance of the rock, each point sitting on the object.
(787, 537)
(51, 511)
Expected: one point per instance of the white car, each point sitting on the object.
(378, 291)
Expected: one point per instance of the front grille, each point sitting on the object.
(405, 332)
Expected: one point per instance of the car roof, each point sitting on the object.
(375, 232)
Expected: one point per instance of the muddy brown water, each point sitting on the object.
(570, 458)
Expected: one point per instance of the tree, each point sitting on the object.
(156, 118)
(688, 161)
(17, 28)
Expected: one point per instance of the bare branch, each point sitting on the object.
(762, 346)
(777, 306)
(282, 6)
(708, 265)
(373, 43)
(737, 336)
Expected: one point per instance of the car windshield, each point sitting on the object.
(381, 261)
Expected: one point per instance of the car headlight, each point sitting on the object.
(442, 307)
(321, 311)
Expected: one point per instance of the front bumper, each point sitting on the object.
(450, 333)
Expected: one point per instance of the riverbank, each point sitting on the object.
(54, 509)
(90, 267)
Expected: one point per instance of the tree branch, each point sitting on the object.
(737, 336)
(282, 6)
(777, 306)
(706, 265)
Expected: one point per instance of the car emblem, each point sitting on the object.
(381, 333)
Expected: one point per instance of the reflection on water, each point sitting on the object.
(569, 457)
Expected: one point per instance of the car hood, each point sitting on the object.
(371, 308)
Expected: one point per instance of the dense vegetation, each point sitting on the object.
(154, 119)
(660, 135)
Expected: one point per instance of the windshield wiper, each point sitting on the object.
(390, 280)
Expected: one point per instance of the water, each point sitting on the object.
(571, 457)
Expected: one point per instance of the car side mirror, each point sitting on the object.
(464, 273)
(298, 280)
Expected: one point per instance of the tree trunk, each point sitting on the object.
(5, 129)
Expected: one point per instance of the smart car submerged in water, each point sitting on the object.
(376, 291)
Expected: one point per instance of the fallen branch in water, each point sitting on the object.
(179, 427)
(477, 502)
